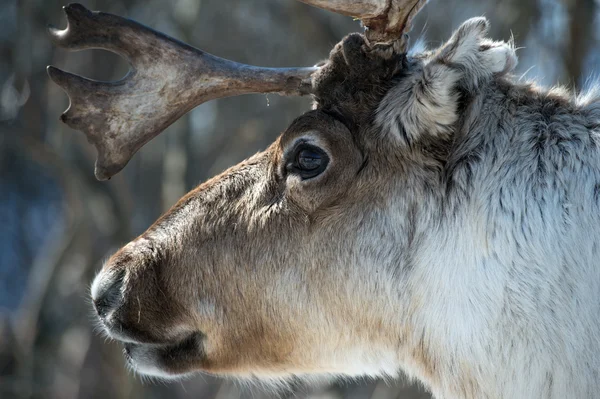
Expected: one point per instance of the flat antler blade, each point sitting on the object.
(386, 20)
(167, 79)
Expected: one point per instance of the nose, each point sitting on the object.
(106, 293)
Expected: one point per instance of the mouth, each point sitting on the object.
(171, 360)
(127, 333)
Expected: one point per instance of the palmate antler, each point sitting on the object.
(168, 78)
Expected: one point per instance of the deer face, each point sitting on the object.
(297, 260)
(260, 270)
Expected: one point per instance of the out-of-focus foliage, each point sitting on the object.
(57, 223)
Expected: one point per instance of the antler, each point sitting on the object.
(385, 20)
(168, 78)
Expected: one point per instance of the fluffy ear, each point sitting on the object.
(427, 102)
(471, 53)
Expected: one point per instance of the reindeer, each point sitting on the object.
(430, 214)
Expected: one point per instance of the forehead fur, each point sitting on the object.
(328, 127)
(355, 79)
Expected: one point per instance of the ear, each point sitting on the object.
(427, 102)
(475, 57)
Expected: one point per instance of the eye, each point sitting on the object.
(308, 161)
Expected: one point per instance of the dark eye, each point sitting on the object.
(308, 162)
(309, 159)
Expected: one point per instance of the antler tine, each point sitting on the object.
(167, 79)
(86, 29)
(385, 20)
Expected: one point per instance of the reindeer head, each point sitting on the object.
(295, 261)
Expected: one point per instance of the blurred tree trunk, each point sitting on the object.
(581, 14)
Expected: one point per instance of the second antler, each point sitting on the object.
(385, 20)
(168, 78)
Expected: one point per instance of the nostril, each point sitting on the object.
(102, 306)
(107, 294)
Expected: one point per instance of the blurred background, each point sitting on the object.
(57, 223)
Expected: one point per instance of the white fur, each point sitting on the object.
(507, 282)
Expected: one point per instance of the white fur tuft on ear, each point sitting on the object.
(427, 101)
(500, 57)
(479, 58)
(463, 46)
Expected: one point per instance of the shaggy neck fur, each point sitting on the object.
(504, 276)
